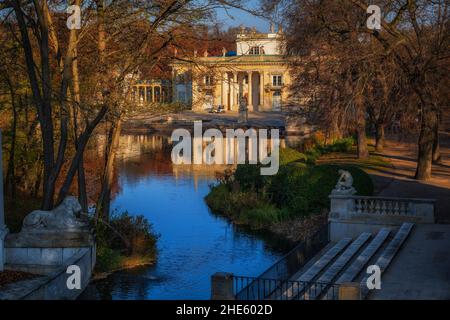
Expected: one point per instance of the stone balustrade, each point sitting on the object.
(393, 206)
(350, 215)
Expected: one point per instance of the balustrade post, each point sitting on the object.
(350, 291)
(342, 205)
(222, 286)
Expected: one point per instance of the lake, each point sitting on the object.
(194, 242)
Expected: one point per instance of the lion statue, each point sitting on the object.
(61, 218)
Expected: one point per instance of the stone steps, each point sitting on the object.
(314, 270)
(337, 266)
(320, 264)
(388, 254)
(355, 268)
(345, 262)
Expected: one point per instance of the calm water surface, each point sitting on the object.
(194, 242)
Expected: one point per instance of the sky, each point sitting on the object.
(236, 17)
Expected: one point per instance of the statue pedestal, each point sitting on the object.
(49, 239)
(343, 192)
(243, 116)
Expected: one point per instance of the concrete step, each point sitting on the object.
(355, 268)
(292, 292)
(320, 264)
(388, 254)
(332, 272)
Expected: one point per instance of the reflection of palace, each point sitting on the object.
(140, 155)
(257, 70)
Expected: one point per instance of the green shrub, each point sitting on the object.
(262, 216)
(222, 200)
(296, 190)
(218, 198)
(341, 145)
(249, 177)
(288, 155)
(137, 231)
(108, 259)
(124, 236)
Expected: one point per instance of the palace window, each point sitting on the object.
(208, 80)
(254, 50)
(277, 80)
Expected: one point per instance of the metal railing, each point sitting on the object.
(273, 281)
(295, 259)
(253, 288)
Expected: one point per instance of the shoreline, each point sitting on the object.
(105, 274)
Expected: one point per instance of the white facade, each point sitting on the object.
(256, 71)
(271, 44)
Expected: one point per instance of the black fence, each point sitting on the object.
(276, 278)
(252, 288)
(295, 259)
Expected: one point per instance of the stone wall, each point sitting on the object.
(54, 285)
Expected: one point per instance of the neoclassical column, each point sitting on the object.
(236, 91)
(186, 86)
(222, 88)
(231, 88)
(261, 91)
(174, 86)
(250, 91)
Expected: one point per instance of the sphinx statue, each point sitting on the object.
(62, 218)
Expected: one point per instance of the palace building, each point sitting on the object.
(257, 70)
(151, 91)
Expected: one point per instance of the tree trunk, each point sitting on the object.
(104, 199)
(42, 102)
(363, 152)
(82, 194)
(82, 142)
(335, 132)
(426, 140)
(379, 138)
(10, 175)
(436, 149)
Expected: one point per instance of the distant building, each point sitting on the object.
(151, 91)
(257, 70)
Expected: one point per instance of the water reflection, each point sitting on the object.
(194, 242)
